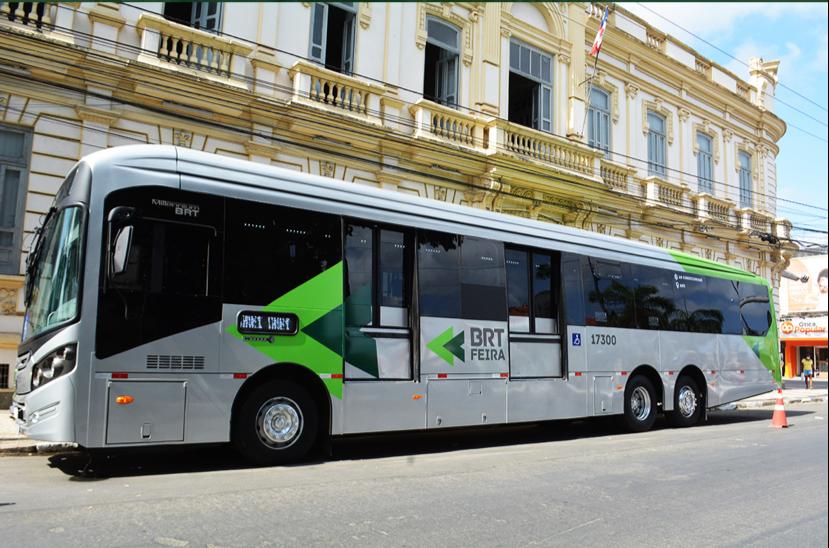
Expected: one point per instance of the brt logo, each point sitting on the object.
(485, 344)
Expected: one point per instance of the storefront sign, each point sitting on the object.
(799, 328)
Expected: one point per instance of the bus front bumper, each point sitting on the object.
(46, 413)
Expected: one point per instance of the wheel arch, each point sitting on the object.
(299, 374)
(648, 371)
(695, 373)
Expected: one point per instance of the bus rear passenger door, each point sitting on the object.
(533, 301)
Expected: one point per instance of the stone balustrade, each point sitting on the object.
(441, 123)
(616, 176)
(714, 209)
(31, 14)
(659, 192)
(195, 49)
(319, 87)
(508, 138)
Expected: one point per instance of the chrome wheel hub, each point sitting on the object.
(640, 403)
(279, 422)
(687, 401)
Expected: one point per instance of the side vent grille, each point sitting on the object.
(166, 361)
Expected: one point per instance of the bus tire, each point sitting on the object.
(640, 404)
(276, 424)
(688, 403)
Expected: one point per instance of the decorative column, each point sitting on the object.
(487, 84)
(631, 91)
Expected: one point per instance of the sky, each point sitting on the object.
(796, 34)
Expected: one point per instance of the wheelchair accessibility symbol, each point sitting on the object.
(576, 339)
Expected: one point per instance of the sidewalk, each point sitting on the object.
(12, 442)
(795, 395)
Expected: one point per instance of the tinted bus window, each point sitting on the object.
(272, 250)
(755, 309)
(654, 297)
(518, 283)
(723, 296)
(358, 274)
(393, 283)
(572, 289)
(695, 310)
(545, 306)
(483, 280)
(610, 294)
(439, 274)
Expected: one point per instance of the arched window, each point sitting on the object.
(440, 73)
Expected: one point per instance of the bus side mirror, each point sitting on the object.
(121, 251)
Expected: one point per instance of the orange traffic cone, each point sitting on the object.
(778, 419)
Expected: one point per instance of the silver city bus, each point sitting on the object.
(178, 297)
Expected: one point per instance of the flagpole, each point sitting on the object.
(599, 38)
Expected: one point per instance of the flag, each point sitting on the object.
(597, 43)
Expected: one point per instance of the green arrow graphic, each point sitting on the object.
(448, 346)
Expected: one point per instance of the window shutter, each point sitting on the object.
(319, 24)
(546, 110)
(348, 45)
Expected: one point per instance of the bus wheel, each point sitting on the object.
(277, 423)
(687, 403)
(640, 404)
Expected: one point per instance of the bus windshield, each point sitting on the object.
(53, 273)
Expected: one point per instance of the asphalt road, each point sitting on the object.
(732, 482)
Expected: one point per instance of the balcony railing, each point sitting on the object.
(714, 209)
(662, 193)
(509, 138)
(31, 14)
(616, 176)
(319, 87)
(188, 47)
(437, 122)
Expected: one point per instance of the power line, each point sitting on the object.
(781, 84)
(674, 225)
(626, 197)
(366, 160)
(411, 124)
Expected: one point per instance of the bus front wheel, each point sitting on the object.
(276, 424)
(640, 404)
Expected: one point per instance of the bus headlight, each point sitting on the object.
(57, 363)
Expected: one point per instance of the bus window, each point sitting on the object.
(723, 296)
(610, 294)
(394, 286)
(545, 304)
(696, 311)
(172, 279)
(755, 311)
(439, 274)
(654, 297)
(272, 250)
(483, 280)
(518, 290)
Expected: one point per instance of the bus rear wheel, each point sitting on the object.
(687, 403)
(276, 424)
(640, 404)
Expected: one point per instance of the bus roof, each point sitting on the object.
(398, 207)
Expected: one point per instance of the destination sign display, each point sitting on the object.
(252, 322)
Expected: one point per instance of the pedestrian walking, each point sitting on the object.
(808, 371)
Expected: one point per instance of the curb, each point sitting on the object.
(30, 447)
(787, 401)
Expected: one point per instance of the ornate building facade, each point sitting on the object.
(493, 105)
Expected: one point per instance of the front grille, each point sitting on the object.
(173, 362)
